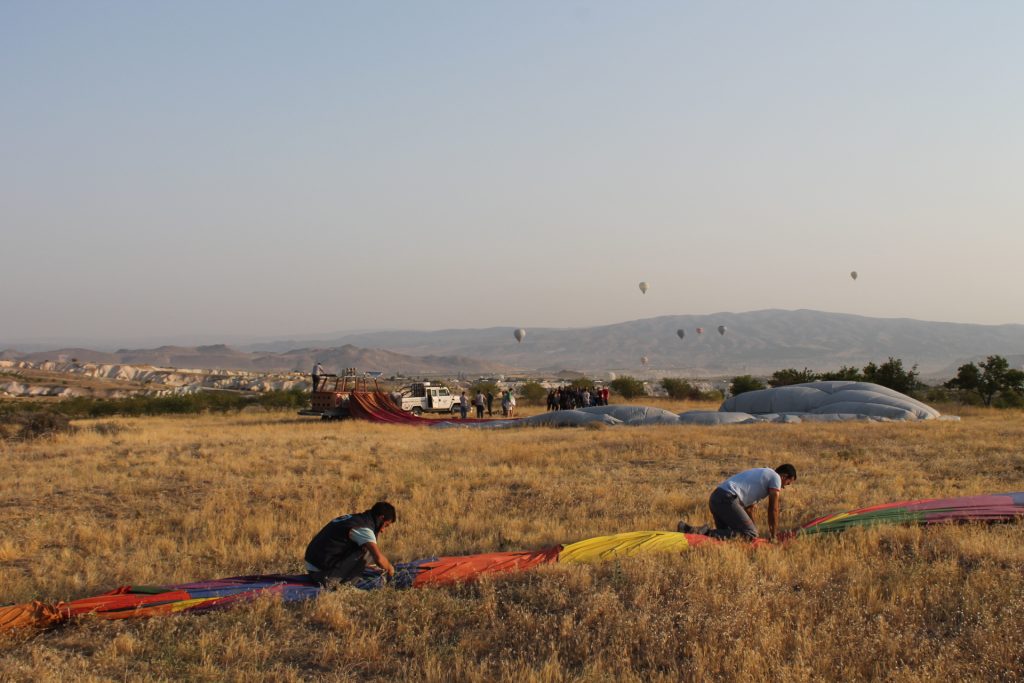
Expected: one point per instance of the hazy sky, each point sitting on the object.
(212, 169)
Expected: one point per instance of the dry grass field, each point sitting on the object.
(171, 499)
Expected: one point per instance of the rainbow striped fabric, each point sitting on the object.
(145, 601)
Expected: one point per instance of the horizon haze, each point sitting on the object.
(215, 172)
(756, 341)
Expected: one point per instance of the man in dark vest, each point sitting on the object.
(343, 548)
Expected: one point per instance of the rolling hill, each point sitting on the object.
(756, 342)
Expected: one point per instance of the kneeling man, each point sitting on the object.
(344, 547)
(732, 503)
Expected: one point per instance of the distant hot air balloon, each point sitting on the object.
(644, 360)
(519, 334)
(853, 274)
(644, 287)
(680, 333)
(700, 330)
(722, 329)
(612, 376)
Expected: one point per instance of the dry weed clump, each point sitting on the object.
(172, 499)
(28, 425)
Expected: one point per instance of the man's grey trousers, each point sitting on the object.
(731, 519)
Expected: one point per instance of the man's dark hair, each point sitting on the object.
(385, 511)
(786, 470)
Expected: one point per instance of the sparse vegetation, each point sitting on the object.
(188, 404)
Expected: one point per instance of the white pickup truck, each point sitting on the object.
(424, 397)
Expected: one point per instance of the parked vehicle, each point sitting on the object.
(424, 397)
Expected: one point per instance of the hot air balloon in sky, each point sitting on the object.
(644, 360)
(644, 287)
(700, 330)
(722, 329)
(519, 334)
(853, 274)
(680, 333)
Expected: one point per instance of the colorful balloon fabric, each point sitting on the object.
(604, 548)
(991, 508)
(145, 601)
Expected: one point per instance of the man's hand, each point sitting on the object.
(380, 559)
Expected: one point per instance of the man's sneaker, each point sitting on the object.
(685, 528)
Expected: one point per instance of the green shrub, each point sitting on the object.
(628, 387)
(745, 383)
(533, 393)
(203, 402)
(790, 376)
(293, 398)
(487, 387)
(583, 383)
(680, 389)
(845, 373)
(892, 375)
(992, 381)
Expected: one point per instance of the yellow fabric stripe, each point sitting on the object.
(623, 545)
(185, 604)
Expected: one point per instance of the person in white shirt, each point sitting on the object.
(317, 371)
(732, 503)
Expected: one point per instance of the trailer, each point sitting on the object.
(331, 399)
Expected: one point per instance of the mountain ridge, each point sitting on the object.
(755, 342)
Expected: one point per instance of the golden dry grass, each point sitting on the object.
(180, 498)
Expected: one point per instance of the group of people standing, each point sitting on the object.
(567, 398)
(482, 400)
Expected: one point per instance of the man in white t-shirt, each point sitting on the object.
(732, 503)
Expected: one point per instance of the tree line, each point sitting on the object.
(991, 382)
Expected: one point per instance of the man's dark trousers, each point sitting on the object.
(731, 520)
